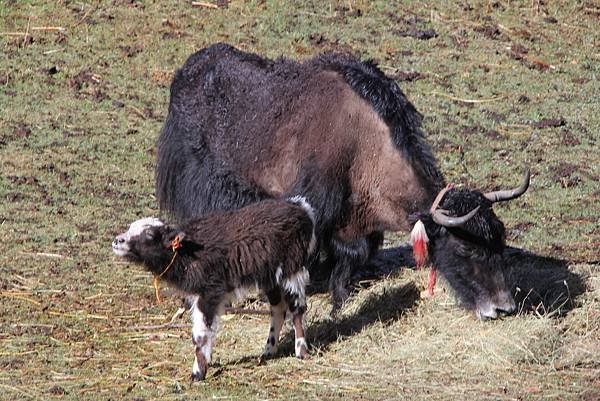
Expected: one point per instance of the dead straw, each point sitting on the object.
(26, 32)
(204, 4)
(473, 101)
(17, 390)
(34, 28)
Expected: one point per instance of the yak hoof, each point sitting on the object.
(336, 308)
(339, 296)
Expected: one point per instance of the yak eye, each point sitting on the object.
(149, 234)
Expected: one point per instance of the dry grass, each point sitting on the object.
(387, 344)
(503, 84)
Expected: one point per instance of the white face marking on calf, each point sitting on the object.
(121, 243)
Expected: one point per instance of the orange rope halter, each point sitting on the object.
(175, 244)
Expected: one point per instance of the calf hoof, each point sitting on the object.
(270, 349)
(198, 376)
(301, 349)
(302, 354)
(265, 356)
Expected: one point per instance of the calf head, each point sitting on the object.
(467, 242)
(146, 239)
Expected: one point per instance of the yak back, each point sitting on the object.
(388, 100)
(242, 128)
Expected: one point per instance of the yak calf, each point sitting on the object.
(215, 259)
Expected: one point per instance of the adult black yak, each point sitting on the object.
(242, 128)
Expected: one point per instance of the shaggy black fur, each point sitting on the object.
(231, 114)
(225, 251)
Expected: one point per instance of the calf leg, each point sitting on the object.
(204, 325)
(297, 308)
(278, 310)
(300, 346)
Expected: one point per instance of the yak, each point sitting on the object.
(242, 128)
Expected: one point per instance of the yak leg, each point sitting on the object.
(278, 310)
(204, 325)
(349, 256)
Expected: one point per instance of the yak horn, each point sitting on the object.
(498, 196)
(439, 197)
(449, 221)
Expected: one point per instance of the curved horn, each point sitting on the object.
(498, 196)
(439, 197)
(449, 221)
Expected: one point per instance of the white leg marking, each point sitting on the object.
(201, 333)
(300, 344)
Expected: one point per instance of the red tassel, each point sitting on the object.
(419, 240)
(432, 280)
(420, 252)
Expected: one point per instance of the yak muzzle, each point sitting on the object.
(500, 305)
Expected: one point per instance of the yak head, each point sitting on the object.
(467, 242)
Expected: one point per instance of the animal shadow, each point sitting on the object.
(386, 307)
(541, 285)
(386, 261)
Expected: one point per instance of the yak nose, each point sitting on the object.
(503, 305)
(508, 307)
(486, 313)
(118, 240)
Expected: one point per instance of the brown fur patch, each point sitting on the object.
(328, 122)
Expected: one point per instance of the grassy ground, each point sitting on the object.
(502, 85)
